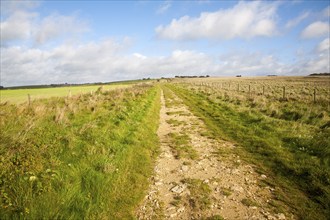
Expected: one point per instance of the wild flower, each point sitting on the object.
(32, 178)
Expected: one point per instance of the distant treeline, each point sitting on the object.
(192, 76)
(50, 85)
(68, 84)
(320, 74)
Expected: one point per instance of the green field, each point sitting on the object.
(21, 95)
(91, 155)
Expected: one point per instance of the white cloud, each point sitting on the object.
(163, 7)
(55, 26)
(294, 22)
(82, 63)
(244, 20)
(18, 26)
(319, 64)
(105, 61)
(8, 7)
(316, 61)
(250, 64)
(140, 56)
(25, 25)
(324, 45)
(316, 29)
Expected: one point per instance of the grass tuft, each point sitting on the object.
(200, 194)
(180, 144)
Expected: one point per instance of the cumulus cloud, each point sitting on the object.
(324, 45)
(82, 63)
(105, 61)
(251, 63)
(319, 64)
(18, 26)
(8, 7)
(316, 29)
(93, 62)
(294, 22)
(54, 26)
(26, 25)
(244, 20)
(316, 61)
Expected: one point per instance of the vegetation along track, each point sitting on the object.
(91, 156)
(200, 177)
(294, 155)
(85, 157)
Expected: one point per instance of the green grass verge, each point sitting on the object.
(88, 157)
(296, 155)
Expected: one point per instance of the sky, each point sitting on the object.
(47, 42)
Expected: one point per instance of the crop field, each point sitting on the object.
(210, 148)
(21, 95)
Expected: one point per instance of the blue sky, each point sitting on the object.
(45, 42)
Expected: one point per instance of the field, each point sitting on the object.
(199, 148)
(16, 96)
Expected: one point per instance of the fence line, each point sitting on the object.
(265, 90)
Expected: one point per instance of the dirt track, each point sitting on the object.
(225, 186)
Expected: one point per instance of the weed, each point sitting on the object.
(226, 191)
(176, 202)
(249, 202)
(207, 134)
(175, 113)
(180, 143)
(199, 194)
(175, 122)
(187, 163)
(215, 217)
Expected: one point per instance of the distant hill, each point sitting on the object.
(72, 84)
(319, 74)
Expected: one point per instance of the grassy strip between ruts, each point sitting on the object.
(298, 159)
(85, 157)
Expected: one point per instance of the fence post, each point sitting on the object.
(238, 87)
(263, 90)
(314, 95)
(29, 99)
(249, 90)
(283, 92)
